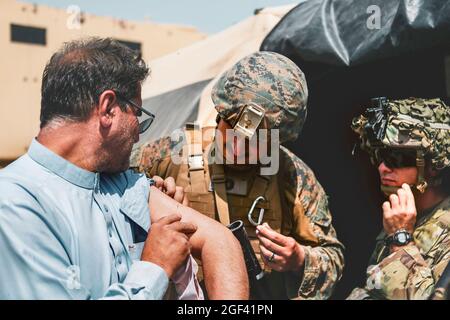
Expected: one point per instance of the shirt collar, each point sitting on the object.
(61, 167)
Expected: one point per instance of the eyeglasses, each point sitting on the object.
(396, 158)
(145, 124)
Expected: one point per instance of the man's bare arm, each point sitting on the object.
(221, 254)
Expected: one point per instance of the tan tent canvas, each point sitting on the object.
(179, 88)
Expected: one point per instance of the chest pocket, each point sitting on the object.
(139, 237)
(202, 202)
(429, 236)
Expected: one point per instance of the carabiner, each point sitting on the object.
(261, 212)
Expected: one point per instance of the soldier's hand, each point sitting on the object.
(400, 211)
(169, 187)
(167, 244)
(279, 252)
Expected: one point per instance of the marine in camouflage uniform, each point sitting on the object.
(295, 204)
(420, 127)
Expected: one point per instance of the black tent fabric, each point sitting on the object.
(353, 32)
(179, 88)
(347, 60)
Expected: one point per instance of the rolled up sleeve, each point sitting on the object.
(144, 281)
(324, 261)
(322, 268)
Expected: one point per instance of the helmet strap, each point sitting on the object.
(388, 190)
(421, 185)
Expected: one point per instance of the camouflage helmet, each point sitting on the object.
(270, 81)
(419, 124)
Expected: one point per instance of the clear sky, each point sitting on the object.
(208, 16)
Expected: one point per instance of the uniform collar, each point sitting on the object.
(61, 167)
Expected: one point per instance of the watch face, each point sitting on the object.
(401, 238)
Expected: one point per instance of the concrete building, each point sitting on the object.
(30, 33)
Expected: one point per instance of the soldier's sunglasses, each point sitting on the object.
(144, 124)
(396, 158)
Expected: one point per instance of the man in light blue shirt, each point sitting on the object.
(74, 223)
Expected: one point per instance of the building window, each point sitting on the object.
(132, 45)
(27, 34)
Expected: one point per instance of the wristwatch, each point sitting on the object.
(151, 182)
(399, 238)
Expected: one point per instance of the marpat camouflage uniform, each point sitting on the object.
(307, 203)
(275, 83)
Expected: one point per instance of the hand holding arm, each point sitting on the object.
(220, 252)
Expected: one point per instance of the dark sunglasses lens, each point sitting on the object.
(144, 125)
(397, 159)
(408, 159)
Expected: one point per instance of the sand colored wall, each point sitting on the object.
(21, 64)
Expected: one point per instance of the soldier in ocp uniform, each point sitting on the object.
(285, 213)
(409, 141)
